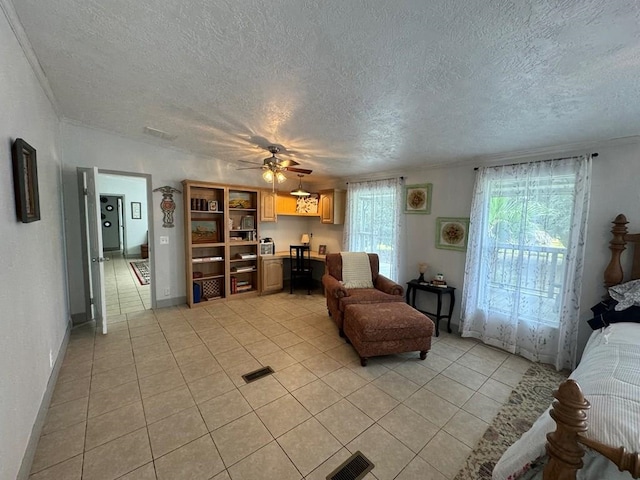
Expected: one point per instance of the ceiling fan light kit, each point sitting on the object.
(273, 169)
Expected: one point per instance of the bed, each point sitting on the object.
(592, 429)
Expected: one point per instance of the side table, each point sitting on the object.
(414, 285)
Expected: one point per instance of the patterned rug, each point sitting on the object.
(141, 269)
(527, 401)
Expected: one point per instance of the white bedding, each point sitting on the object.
(609, 376)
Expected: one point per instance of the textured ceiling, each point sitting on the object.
(348, 87)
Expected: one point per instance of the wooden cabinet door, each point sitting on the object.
(326, 207)
(268, 206)
(271, 274)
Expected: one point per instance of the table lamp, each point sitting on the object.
(305, 239)
(422, 268)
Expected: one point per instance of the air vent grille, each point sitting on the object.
(257, 374)
(154, 132)
(354, 468)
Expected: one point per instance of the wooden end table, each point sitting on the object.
(414, 285)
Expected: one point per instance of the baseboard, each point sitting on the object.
(78, 318)
(171, 302)
(32, 445)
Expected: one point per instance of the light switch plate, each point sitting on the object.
(164, 240)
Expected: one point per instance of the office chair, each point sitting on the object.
(300, 265)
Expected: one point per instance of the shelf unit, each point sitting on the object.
(221, 247)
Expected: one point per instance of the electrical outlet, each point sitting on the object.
(167, 292)
(164, 240)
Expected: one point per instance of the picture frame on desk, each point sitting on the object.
(322, 250)
(213, 205)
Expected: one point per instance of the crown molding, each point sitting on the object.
(18, 30)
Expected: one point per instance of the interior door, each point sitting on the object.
(110, 222)
(95, 260)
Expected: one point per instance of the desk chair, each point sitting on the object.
(300, 265)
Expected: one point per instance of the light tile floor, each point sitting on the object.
(124, 294)
(161, 396)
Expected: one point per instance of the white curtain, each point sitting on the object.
(523, 271)
(372, 222)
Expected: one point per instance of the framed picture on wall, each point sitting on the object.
(417, 198)
(25, 181)
(452, 233)
(136, 210)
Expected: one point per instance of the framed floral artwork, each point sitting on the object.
(452, 233)
(417, 198)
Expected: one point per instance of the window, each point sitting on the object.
(524, 261)
(527, 232)
(372, 221)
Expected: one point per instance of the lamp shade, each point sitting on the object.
(300, 192)
(267, 175)
(305, 239)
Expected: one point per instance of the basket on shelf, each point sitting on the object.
(212, 288)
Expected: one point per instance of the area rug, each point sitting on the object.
(141, 269)
(526, 403)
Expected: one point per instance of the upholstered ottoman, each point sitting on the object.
(387, 328)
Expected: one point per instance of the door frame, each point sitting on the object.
(85, 245)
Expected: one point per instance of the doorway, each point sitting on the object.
(125, 226)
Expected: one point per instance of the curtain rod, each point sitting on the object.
(401, 178)
(595, 154)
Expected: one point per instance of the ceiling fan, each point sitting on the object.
(274, 167)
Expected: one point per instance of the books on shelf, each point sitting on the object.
(238, 286)
(206, 259)
(246, 256)
(243, 269)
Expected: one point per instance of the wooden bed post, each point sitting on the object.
(565, 452)
(613, 272)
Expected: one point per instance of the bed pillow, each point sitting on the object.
(356, 270)
(626, 294)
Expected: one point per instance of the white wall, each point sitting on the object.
(134, 189)
(614, 190)
(33, 297)
(289, 229)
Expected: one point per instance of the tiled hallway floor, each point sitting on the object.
(161, 396)
(124, 294)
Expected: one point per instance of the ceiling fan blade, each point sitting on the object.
(298, 170)
(287, 163)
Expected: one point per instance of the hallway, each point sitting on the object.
(124, 294)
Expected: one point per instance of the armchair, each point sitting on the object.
(338, 297)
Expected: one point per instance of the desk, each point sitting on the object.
(273, 280)
(314, 255)
(414, 285)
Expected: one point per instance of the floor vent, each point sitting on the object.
(354, 468)
(257, 374)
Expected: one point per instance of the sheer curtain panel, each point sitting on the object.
(372, 222)
(523, 271)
